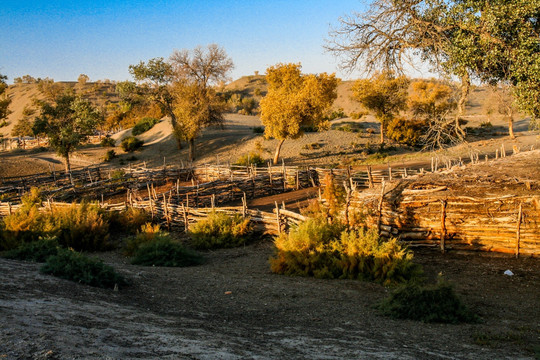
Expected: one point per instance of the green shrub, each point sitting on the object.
(220, 230)
(131, 144)
(165, 252)
(148, 233)
(316, 248)
(249, 159)
(118, 174)
(144, 125)
(70, 265)
(108, 141)
(109, 155)
(349, 126)
(408, 132)
(258, 130)
(437, 303)
(37, 251)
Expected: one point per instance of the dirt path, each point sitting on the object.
(189, 313)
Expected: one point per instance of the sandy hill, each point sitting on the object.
(23, 95)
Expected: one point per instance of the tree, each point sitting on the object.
(294, 100)
(495, 41)
(196, 103)
(170, 83)
(384, 94)
(81, 82)
(195, 108)
(24, 127)
(67, 122)
(506, 105)
(4, 99)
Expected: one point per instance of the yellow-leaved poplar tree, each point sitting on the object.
(384, 94)
(294, 100)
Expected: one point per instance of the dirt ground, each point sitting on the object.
(233, 307)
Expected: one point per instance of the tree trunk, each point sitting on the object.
(382, 132)
(278, 149)
(465, 89)
(191, 154)
(174, 126)
(68, 165)
(510, 117)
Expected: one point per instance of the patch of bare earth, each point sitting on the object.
(233, 307)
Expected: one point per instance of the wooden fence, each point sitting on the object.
(174, 216)
(437, 217)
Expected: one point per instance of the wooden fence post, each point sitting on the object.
(278, 218)
(518, 232)
(244, 206)
(443, 225)
(379, 208)
(370, 177)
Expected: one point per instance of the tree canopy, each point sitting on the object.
(294, 100)
(495, 41)
(68, 122)
(183, 87)
(384, 94)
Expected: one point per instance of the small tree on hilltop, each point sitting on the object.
(384, 94)
(294, 100)
(67, 122)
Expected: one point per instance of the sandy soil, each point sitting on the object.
(232, 307)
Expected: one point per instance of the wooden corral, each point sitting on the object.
(494, 207)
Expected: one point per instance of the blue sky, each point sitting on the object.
(62, 39)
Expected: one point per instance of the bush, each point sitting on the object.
(249, 159)
(349, 126)
(258, 130)
(127, 221)
(408, 132)
(131, 144)
(70, 265)
(148, 233)
(220, 230)
(82, 227)
(316, 248)
(336, 114)
(144, 125)
(109, 155)
(437, 303)
(165, 252)
(358, 115)
(26, 224)
(37, 251)
(108, 141)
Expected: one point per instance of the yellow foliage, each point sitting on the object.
(294, 100)
(430, 100)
